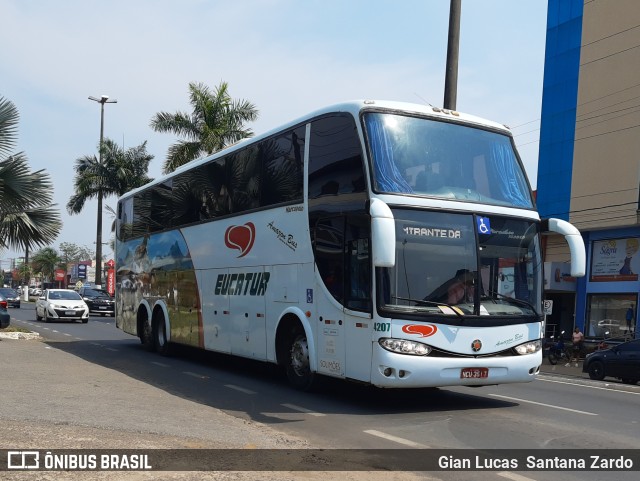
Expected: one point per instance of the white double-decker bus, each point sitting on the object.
(388, 243)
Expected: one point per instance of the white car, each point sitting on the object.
(62, 304)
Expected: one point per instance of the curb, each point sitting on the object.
(20, 335)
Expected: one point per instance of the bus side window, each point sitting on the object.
(335, 158)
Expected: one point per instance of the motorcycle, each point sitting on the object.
(559, 351)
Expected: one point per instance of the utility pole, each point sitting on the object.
(453, 47)
(98, 280)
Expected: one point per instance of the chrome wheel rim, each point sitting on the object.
(300, 356)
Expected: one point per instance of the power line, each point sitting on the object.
(610, 36)
(608, 113)
(607, 133)
(610, 55)
(606, 120)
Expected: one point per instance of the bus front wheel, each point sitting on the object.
(298, 366)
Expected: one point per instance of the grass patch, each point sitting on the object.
(14, 329)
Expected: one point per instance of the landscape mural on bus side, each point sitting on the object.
(158, 267)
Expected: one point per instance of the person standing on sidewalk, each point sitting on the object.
(578, 340)
(630, 318)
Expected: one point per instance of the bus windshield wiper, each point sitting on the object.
(419, 302)
(519, 302)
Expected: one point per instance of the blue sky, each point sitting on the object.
(288, 57)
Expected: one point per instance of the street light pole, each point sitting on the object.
(453, 48)
(98, 279)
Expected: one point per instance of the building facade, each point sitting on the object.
(589, 162)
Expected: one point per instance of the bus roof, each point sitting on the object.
(353, 107)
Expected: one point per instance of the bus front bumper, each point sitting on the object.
(404, 371)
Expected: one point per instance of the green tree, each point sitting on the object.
(71, 253)
(216, 121)
(27, 216)
(45, 261)
(24, 273)
(120, 171)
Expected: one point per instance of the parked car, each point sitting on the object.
(11, 295)
(35, 291)
(621, 361)
(63, 304)
(5, 318)
(98, 300)
(608, 327)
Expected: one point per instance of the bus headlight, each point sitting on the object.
(404, 346)
(530, 347)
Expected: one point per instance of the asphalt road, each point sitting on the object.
(99, 377)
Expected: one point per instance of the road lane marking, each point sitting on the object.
(303, 410)
(67, 334)
(543, 404)
(239, 388)
(161, 364)
(514, 476)
(593, 387)
(395, 439)
(111, 349)
(195, 374)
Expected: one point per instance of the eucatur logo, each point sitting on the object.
(424, 330)
(240, 237)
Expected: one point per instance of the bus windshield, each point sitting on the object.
(461, 265)
(427, 157)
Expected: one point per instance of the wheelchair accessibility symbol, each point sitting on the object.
(484, 225)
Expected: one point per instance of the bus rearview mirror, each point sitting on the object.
(383, 234)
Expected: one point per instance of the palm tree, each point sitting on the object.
(119, 172)
(216, 122)
(45, 261)
(27, 217)
(24, 273)
(8, 125)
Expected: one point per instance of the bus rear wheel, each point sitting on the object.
(146, 336)
(298, 365)
(161, 344)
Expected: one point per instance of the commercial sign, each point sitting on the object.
(557, 277)
(111, 281)
(615, 260)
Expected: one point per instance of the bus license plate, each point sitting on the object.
(474, 373)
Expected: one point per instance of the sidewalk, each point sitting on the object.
(562, 370)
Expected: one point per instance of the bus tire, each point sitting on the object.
(297, 362)
(161, 345)
(146, 335)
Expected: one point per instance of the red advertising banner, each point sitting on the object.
(111, 281)
(60, 274)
